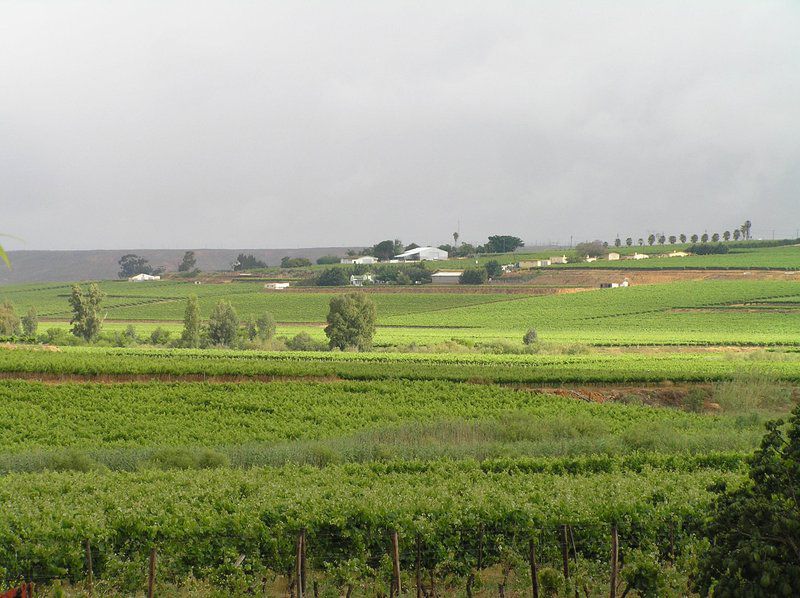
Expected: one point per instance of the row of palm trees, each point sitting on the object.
(743, 232)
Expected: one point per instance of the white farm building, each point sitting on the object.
(364, 259)
(446, 277)
(419, 254)
(143, 278)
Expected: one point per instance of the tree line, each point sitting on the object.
(743, 232)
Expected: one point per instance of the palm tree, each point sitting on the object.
(641, 241)
(695, 238)
(715, 237)
(661, 239)
(617, 242)
(704, 238)
(726, 235)
(737, 234)
(746, 229)
(455, 239)
(651, 239)
(672, 239)
(628, 241)
(682, 238)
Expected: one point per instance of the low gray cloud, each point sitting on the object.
(281, 124)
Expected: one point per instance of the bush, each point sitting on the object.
(159, 336)
(643, 573)
(303, 341)
(531, 337)
(473, 276)
(328, 259)
(708, 248)
(550, 582)
(295, 262)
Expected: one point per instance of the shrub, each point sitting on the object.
(303, 341)
(708, 248)
(550, 582)
(472, 276)
(493, 269)
(531, 337)
(327, 260)
(642, 572)
(159, 336)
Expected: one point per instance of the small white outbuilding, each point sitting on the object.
(419, 254)
(446, 277)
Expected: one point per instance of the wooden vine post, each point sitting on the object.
(565, 551)
(418, 567)
(89, 571)
(534, 568)
(396, 563)
(303, 561)
(151, 574)
(614, 559)
(298, 572)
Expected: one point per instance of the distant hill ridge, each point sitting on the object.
(101, 264)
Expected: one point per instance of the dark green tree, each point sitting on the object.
(351, 321)
(628, 241)
(493, 269)
(326, 260)
(247, 261)
(704, 238)
(190, 337)
(503, 244)
(590, 248)
(333, 277)
(715, 237)
(387, 249)
(726, 235)
(223, 324)
(754, 530)
(695, 238)
(737, 234)
(131, 264)
(673, 239)
(295, 262)
(86, 321)
(651, 239)
(617, 242)
(188, 263)
(682, 238)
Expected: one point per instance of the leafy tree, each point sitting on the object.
(754, 530)
(641, 241)
(265, 326)
(683, 238)
(351, 321)
(188, 263)
(190, 337)
(303, 341)
(250, 330)
(715, 237)
(223, 324)
(387, 249)
(628, 241)
(131, 264)
(672, 239)
(704, 238)
(247, 261)
(617, 242)
(472, 276)
(503, 244)
(333, 277)
(661, 239)
(30, 322)
(695, 238)
(86, 321)
(493, 269)
(328, 259)
(726, 235)
(651, 239)
(295, 262)
(592, 249)
(410, 247)
(737, 234)
(9, 320)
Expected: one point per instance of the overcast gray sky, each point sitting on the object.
(286, 124)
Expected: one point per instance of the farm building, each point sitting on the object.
(359, 280)
(276, 286)
(143, 278)
(613, 256)
(419, 254)
(677, 254)
(559, 259)
(446, 277)
(364, 259)
(614, 285)
(637, 256)
(528, 264)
